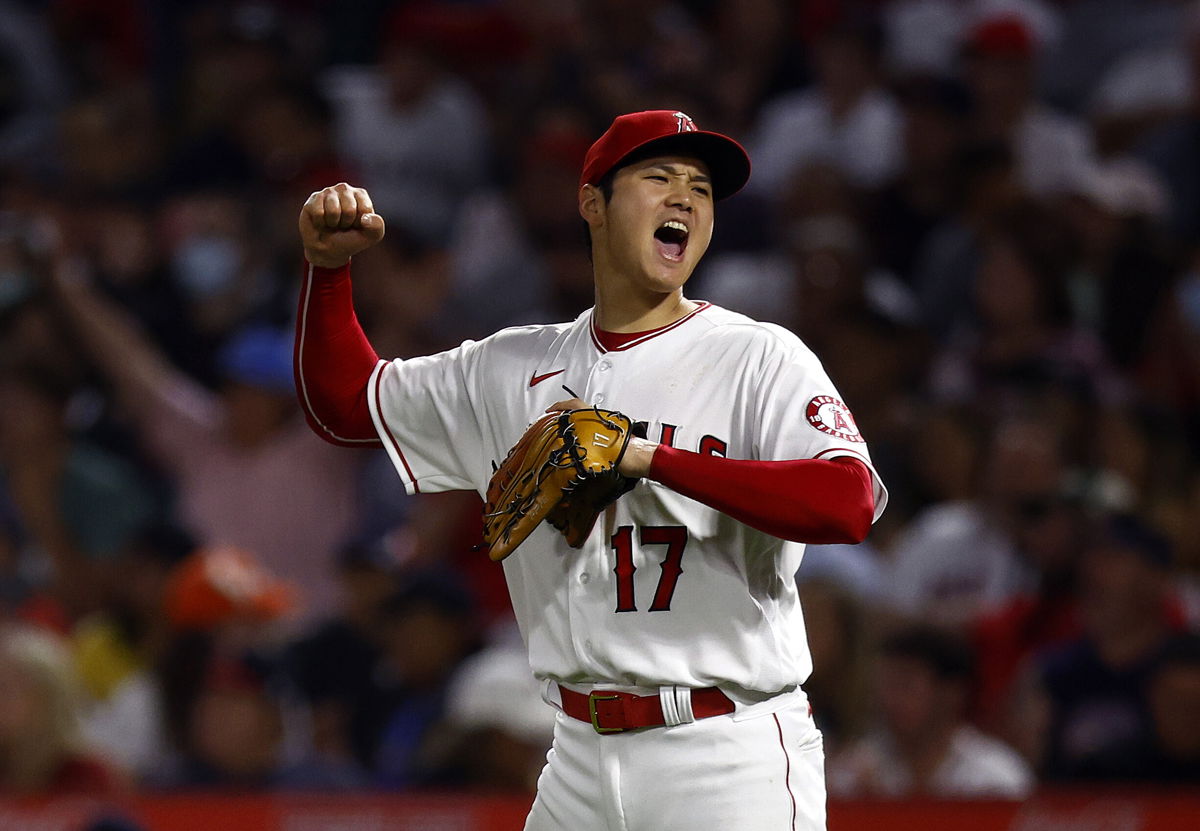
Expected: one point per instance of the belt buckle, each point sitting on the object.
(592, 699)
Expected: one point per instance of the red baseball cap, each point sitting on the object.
(670, 132)
(220, 584)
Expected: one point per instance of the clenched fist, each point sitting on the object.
(338, 222)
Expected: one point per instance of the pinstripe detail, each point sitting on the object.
(377, 378)
(787, 776)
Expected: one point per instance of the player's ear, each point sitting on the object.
(591, 205)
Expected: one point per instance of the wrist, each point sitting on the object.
(639, 454)
(326, 262)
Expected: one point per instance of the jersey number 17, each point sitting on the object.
(674, 537)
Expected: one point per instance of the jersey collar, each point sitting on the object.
(619, 341)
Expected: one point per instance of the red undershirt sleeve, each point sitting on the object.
(802, 500)
(333, 360)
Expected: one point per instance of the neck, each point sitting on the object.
(623, 307)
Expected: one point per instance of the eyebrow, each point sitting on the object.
(676, 171)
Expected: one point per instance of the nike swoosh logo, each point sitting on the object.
(534, 380)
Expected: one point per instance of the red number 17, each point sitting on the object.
(675, 538)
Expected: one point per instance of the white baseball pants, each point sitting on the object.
(761, 768)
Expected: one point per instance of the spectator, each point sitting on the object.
(340, 669)
(223, 699)
(1052, 150)
(502, 238)
(1116, 219)
(217, 602)
(236, 737)
(923, 195)
(1096, 688)
(415, 131)
(1166, 149)
(41, 750)
(117, 649)
(1021, 335)
(236, 455)
(1174, 693)
(944, 265)
(405, 294)
(427, 631)
(931, 578)
(846, 119)
(924, 745)
(496, 730)
(77, 502)
(1036, 619)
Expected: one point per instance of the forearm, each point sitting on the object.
(803, 500)
(333, 359)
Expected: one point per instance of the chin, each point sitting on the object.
(668, 276)
(665, 283)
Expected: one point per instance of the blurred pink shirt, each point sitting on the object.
(291, 502)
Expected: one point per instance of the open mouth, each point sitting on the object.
(672, 239)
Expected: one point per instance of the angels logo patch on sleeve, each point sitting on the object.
(831, 416)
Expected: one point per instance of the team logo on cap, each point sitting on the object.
(831, 416)
(684, 123)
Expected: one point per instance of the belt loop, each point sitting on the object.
(666, 695)
(676, 705)
(683, 701)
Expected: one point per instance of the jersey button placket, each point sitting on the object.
(598, 379)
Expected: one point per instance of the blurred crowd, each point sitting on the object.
(982, 215)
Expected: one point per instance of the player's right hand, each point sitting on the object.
(338, 222)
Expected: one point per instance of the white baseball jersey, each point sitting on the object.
(666, 590)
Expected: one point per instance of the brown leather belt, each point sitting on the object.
(611, 711)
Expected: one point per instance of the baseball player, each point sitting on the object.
(672, 642)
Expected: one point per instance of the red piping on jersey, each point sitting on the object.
(802, 500)
(331, 381)
(599, 335)
(787, 773)
(842, 451)
(388, 431)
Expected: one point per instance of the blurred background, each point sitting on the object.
(984, 216)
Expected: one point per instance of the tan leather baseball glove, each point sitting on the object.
(563, 470)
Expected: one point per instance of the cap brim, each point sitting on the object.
(727, 161)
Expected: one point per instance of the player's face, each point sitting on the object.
(659, 221)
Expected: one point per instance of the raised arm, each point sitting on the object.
(333, 358)
(145, 380)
